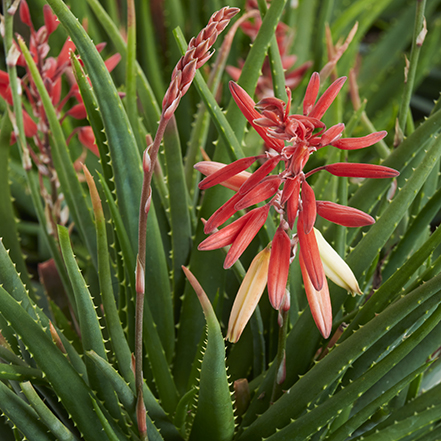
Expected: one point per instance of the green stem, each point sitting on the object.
(279, 377)
(413, 64)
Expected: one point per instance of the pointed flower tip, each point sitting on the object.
(335, 267)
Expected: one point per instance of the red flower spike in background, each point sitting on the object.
(35, 123)
(292, 139)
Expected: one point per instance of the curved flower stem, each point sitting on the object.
(148, 164)
(281, 355)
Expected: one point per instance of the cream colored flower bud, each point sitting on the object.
(335, 267)
(248, 295)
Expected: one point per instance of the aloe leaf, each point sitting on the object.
(158, 288)
(372, 242)
(94, 118)
(367, 195)
(386, 344)
(321, 415)
(148, 57)
(419, 404)
(67, 176)
(155, 414)
(417, 357)
(8, 226)
(65, 326)
(328, 370)
(275, 61)
(404, 428)
(64, 379)
(123, 149)
(161, 371)
(214, 414)
(392, 288)
(305, 30)
(356, 420)
(92, 337)
(116, 333)
(147, 97)
(112, 436)
(12, 283)
(60, 431)
(130, 83)
(179, 205)
(20, 373)
(182, 413)
(417, 227)
(22, 415)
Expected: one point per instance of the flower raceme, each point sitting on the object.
(51, 70)
(292, 139)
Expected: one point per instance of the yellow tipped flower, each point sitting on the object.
(248, 295)
(335, 267)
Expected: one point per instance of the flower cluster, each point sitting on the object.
(52, 70)
(36, 126)
(292, 139)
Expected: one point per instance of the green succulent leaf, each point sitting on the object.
(64, 379)
(214, 412)
(22, 415)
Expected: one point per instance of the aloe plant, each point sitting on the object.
(128, 310)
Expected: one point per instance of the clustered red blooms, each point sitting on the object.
(284, 35)
(292, 139)
(51, 70)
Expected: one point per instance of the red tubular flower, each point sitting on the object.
(354, 170)
(311, 256)
(318, 300)
(227, 172)
(308, 206)
(227, 235)
(222, 214)
(327, 98)
(278, 267)
(50, 19)
(246, 235)
(342, 215)
(259, 174)
(246, 105)
(359, 143)
(207, 168)
(266, 188)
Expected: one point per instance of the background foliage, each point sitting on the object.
(67, 293)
